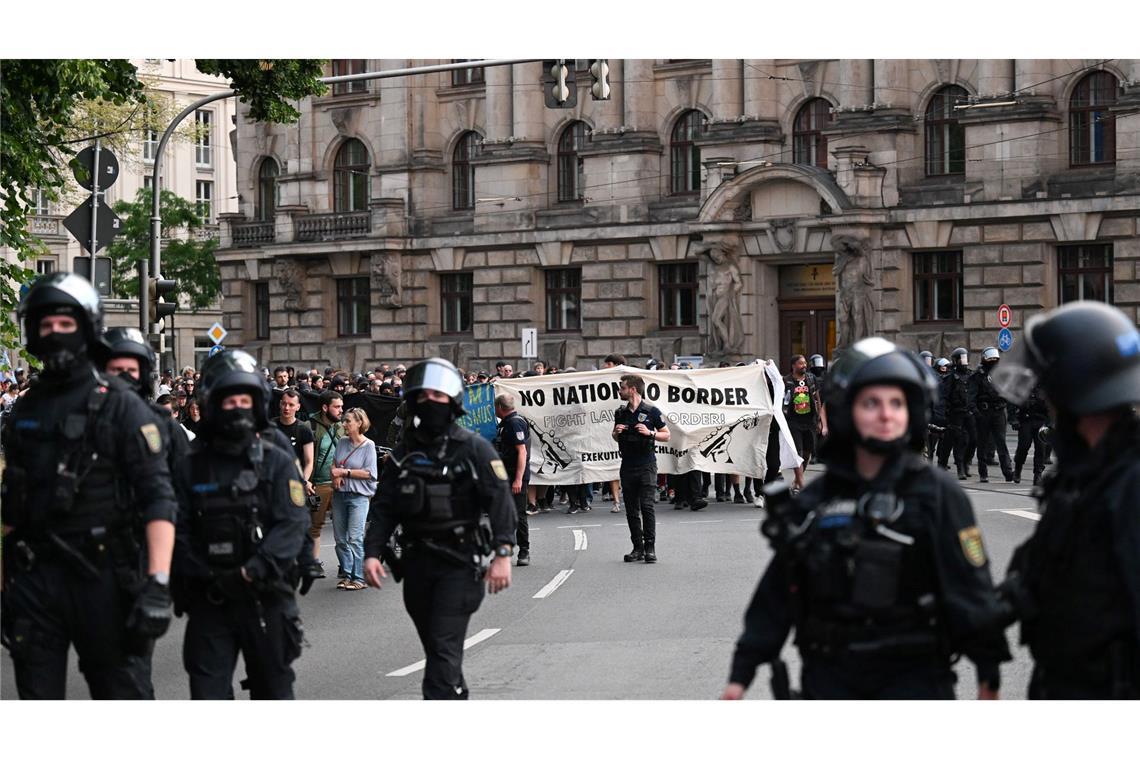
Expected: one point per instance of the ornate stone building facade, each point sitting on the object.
(730, 208)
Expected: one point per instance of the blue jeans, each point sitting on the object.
(349, 512)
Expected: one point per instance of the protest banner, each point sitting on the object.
(479, 405)
(718, 421)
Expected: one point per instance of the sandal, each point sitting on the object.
(343, 583)
(355, 586)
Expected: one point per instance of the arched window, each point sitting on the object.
(945, 137)
(570, 178)
(463, 173)
(350, 177)
(809, 144)
(267, 189)
(684, 155)
(1092, 127)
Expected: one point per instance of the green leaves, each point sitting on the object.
(267, 85)
(185, 259)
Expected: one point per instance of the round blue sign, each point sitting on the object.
(217, 348)
(1005, 339)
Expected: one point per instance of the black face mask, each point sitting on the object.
(234, 429)
(430, 419)
(884, 448)
(61, 352)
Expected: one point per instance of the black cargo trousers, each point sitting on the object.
(639, 487)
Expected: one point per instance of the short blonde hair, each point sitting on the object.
(360, 416)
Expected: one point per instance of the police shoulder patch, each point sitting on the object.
(297, 493)
(971, 541)
(498, 468)
(520, 435)
(152, 437)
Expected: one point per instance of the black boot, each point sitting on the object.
(1036, 478)
(649, 555)
(1017, 472)
(636, 555)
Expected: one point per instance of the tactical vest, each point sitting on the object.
(84, 490)
(631, 442)
(225, 517)
(436, 499)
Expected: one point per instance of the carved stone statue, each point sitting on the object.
(386, 279)
(726, 328)
(290, 276)
(855, 281)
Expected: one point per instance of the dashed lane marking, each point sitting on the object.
(551, 587)
(580, 540)
(1022, 513)
(575, 527)
(483, 635)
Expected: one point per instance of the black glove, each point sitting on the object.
(150, 616)
(309, 572)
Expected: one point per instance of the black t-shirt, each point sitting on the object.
(799, 399)
(513, 431)
(638, 450)
(298, 434)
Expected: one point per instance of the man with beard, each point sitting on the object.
(448, 491)
(88, 510)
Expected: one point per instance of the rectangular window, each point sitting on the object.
(45, 266)
(678, 296)
(148, 181)
(938, 286)
(461, 77)
(455, 302)
(352, 307)
(202, 348)
(150, 145)
(345, 66)
(563, 300)
(1085, 272)
(204, 200)
(261, 311)
(42, 205)
(204, 138)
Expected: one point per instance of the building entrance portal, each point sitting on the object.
(807, 312)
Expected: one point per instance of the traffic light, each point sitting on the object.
(558, 86)
(600, 72)
(157, 288)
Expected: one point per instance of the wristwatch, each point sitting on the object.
(505, 550)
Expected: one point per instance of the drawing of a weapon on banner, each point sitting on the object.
(552, 451)
(718, 440)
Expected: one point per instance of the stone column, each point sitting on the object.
(637, 90)
(499, 122)
(727, 96)
(760, 98)
(995, 76)
(855, 78)
(526, 93)
(891, 82)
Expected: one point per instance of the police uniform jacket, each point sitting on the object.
(940, 588)
(1081, 567)
(266, 501)
(99, 430)
(986, 397)
(475, 481)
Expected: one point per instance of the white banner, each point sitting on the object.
(717, 418)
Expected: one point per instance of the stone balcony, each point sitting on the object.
(335, 226)
(249, 234)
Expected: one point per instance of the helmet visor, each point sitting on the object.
(439, 378)
(1015, 376)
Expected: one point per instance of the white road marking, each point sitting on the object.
(580, 541)
(483, 635)
(1023, 513)
(699, 522)
(551, 587)
(749, 519)
(575, 527)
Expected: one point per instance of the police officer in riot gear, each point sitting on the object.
(447, 490)
(817, 366)
(990, 417)
(1031, 417)
(242, 526)
(1075, 584)
(88, 511)
(927, 358)
(960, 410)
(879, 563)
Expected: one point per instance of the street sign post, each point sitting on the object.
(217, 333)
(102, 278)
(529, 343)
(1005, 339)
(107, 225)
(1005, 315)
(108, 168)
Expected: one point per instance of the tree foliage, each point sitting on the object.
(49, 110)
(185, 259)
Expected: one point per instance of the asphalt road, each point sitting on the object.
(579, 623)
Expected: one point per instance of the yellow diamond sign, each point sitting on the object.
(217, 333)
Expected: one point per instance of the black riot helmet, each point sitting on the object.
(1060, 349)
(227, 373)
(129, 341)
(817, 366)
(67, 294)
(876, 361)
(960, 357)
(927, 357)
(990, 354)
(438, 375)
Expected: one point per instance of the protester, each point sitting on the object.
(354, 473)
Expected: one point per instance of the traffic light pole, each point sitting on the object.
(156, 190)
